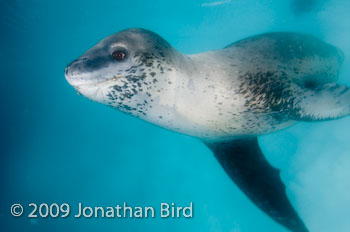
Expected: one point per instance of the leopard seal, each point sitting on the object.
(226, 97)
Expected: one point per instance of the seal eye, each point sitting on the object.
(119, 55)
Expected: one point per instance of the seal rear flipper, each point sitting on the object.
(246, 165)
(326, 102)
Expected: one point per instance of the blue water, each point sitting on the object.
(59, 147)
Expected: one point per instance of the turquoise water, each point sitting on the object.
(59, 147)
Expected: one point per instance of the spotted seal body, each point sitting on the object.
(245, 89)
(225, 97)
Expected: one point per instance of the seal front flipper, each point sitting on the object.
(325, 102)
(246, 165)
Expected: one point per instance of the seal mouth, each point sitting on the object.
(94, 83)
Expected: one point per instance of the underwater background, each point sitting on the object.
(59, 147)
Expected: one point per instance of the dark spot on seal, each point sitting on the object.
(310, 84)
(117, 87)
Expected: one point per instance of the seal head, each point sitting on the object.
(120, 70)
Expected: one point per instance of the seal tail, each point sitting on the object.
(326, 102)
(246, 165)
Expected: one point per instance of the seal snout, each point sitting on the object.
(74, 72)
(69, 70)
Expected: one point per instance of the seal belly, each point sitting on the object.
(217, 108)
